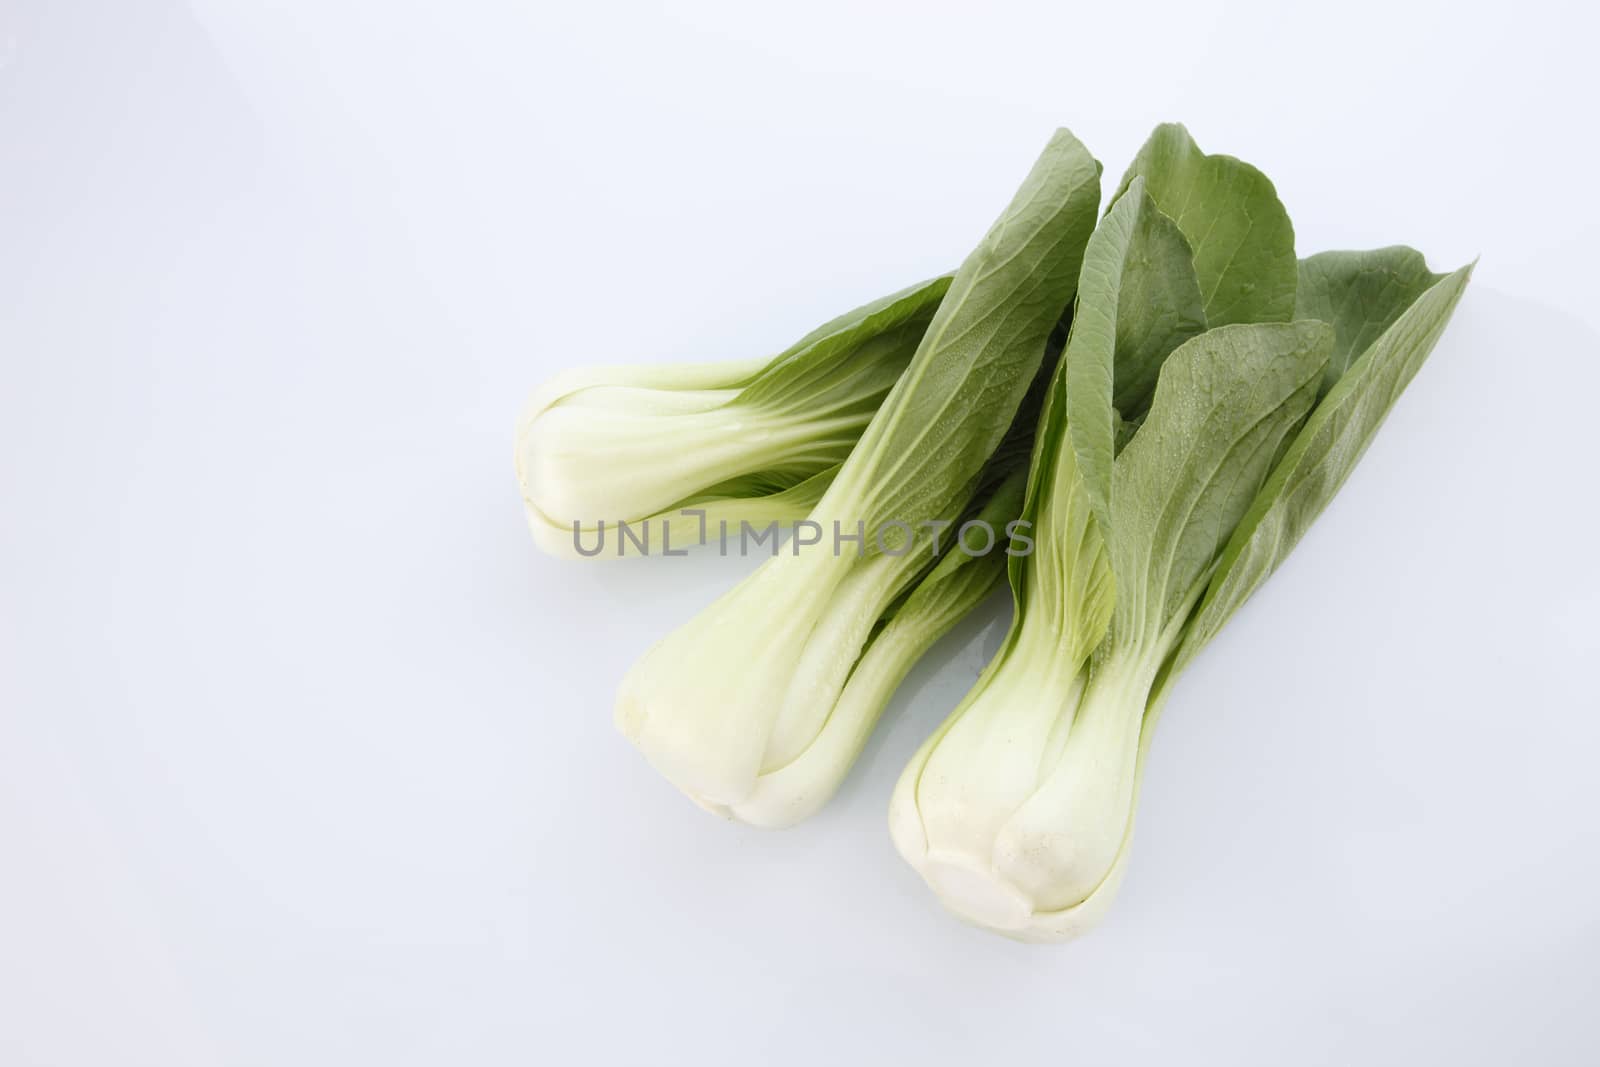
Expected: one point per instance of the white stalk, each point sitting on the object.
(726, 704)
(592, 451)
(1018, 812)
(956, 795)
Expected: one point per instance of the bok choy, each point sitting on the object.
(1141, 411)
(747, 708)
(1188, 440)
(656, 456)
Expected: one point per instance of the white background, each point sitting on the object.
(306, 757)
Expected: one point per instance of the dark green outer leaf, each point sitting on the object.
(851, 360)
(1360, 294)
(1226, 402)
(921, 455)
(1321, 457)
(1241, 235)
(1138, 300)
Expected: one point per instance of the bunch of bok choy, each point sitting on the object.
(1152, 404)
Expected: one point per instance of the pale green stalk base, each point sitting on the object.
(636, 444)
(641, 445)
(855, 644)
(754, 715)
(1017, 812)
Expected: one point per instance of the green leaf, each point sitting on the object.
(1066, 583)
(849, 363)
(920, 457)
(959, 581)
(787, 493)
(1138, 299)
(1224, 404)
(1241, 235)
(1360, 294)
(1322, 456)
